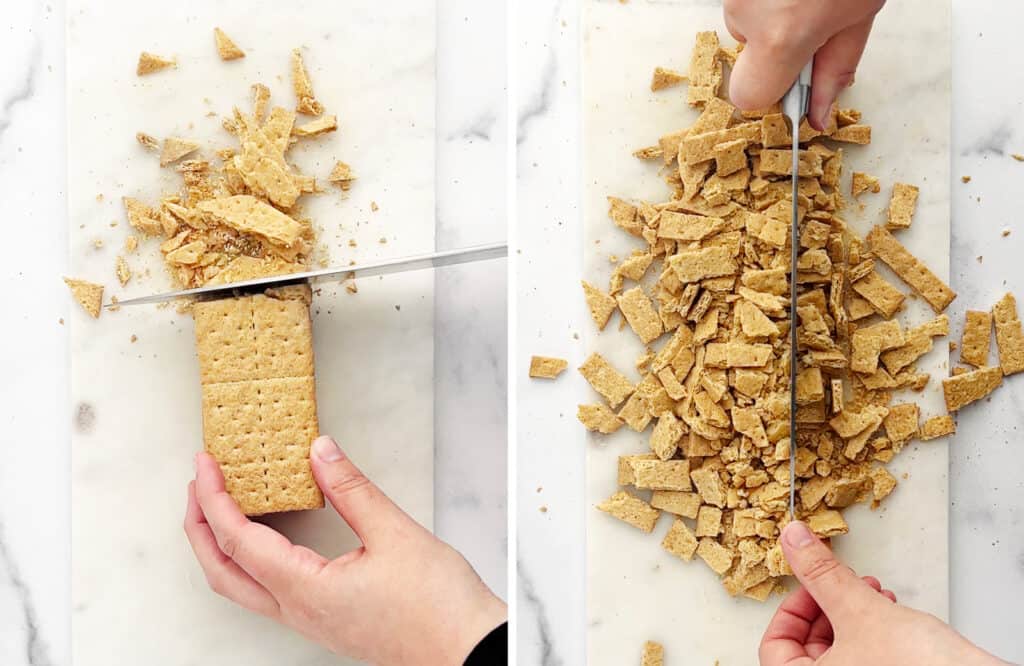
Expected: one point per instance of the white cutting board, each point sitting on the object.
(138, 595)
(635, 590)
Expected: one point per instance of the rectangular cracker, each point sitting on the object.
(697, 148)
(631, 509)
(679, 502)
(708, 262)
(547, 367)
(686, 227)
(606, 380)
(902, 206)
(625, 477)
(901, 423)
(963, 389)
(680, 541)
(662, 474)
(705, 73)
(643, 318)
(937, 426)
(780, 163)
(910, 269)
(665, 438)
(250, 215)
(1009, 338)
(715, 555)
(730, 157)
(974, 346)
(284, 337)
(883, 297)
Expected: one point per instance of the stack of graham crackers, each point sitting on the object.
(259, 397)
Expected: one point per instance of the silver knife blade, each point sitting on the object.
(795, 105)
(400, 265)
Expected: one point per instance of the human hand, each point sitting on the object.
(838, 619)
(782, 35)
(404, 597)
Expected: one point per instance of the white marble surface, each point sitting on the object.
(469, 312)
(986, 493)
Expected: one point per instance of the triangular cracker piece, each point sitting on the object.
(226, 49)
(175, 148)
(149, 63)
(88, 294)
(342, 175)
(306, 101)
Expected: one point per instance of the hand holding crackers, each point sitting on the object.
(404, 597)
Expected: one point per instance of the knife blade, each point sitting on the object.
(400, 265)
(794, 106)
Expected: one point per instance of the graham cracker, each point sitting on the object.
(679, 502)
(305, 100)
(598, 418)
(910, 269)
(977, 337)
(150, 62)
(547, 367)
(226, 48)
(902, 206)
(937, 426)
(680, 541)
(606, 380)
(1009, 337)
(259, 399)
(654, 654)
(88, 294)
(630, 509)
(250, 215)
(968, 387)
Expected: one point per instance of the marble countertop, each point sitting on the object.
(470, 316)
(986, 485)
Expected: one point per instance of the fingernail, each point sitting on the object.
(797, 534)
(326, 449)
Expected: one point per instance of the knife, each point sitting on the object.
(414, 263)
(794, 106)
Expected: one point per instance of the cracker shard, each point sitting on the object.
(630, 509)
(705, 70)
(547, 367)
(636, 307)
(150, 62)
(598, 418)
(305, 101)
(977, 337)
(176, 148)
(910, 269)
(606, 380)
(250, 215)
(88, 294)
(601, 305)
(665, 78)
(1009, 337)
(937, 426)
(653, 654)
(321, 125)
(680, 541)
(341, 175)
(902, 206)
(226, 48)
(963, 389)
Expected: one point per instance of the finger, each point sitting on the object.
(264, 554)
(785, 638)
(729, 14)
(890, 595)
(369, 512)
(764, 72)
(820, 637)
(835, 588)
(875, 584)
(223, 575)
(835, 65)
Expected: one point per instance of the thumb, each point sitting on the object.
(369, 512)
(833, 585)
(835, 64)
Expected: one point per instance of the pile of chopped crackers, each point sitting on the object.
(714, 318)
(236, 216)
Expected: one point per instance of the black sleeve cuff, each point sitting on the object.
(492, 650)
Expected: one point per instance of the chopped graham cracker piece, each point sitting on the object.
(665, 437)
(630, 509)
(122, 271)
(306, 102)
(859, 134)
(977, 338)
(250, 215)
(901, 423)
(828, 523)
(342, 176)
(862, 183)
(146, 141)
(321, 125)
(1009, 337)
(679, 502)
(88, 294)
(142, 217)
(963, 389)
(606, 380)
(705, 70)
(653, 654)
(176, 148)
(680, 541)
(601, 305)
(716, 556)
(546, 367)
(910, 269)
(902, 206)
(636, 307)
(226, 49)
(884, 298)
(662, 474)
(149, 63)
(598, 418)
(665, 78)
(937, 426)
